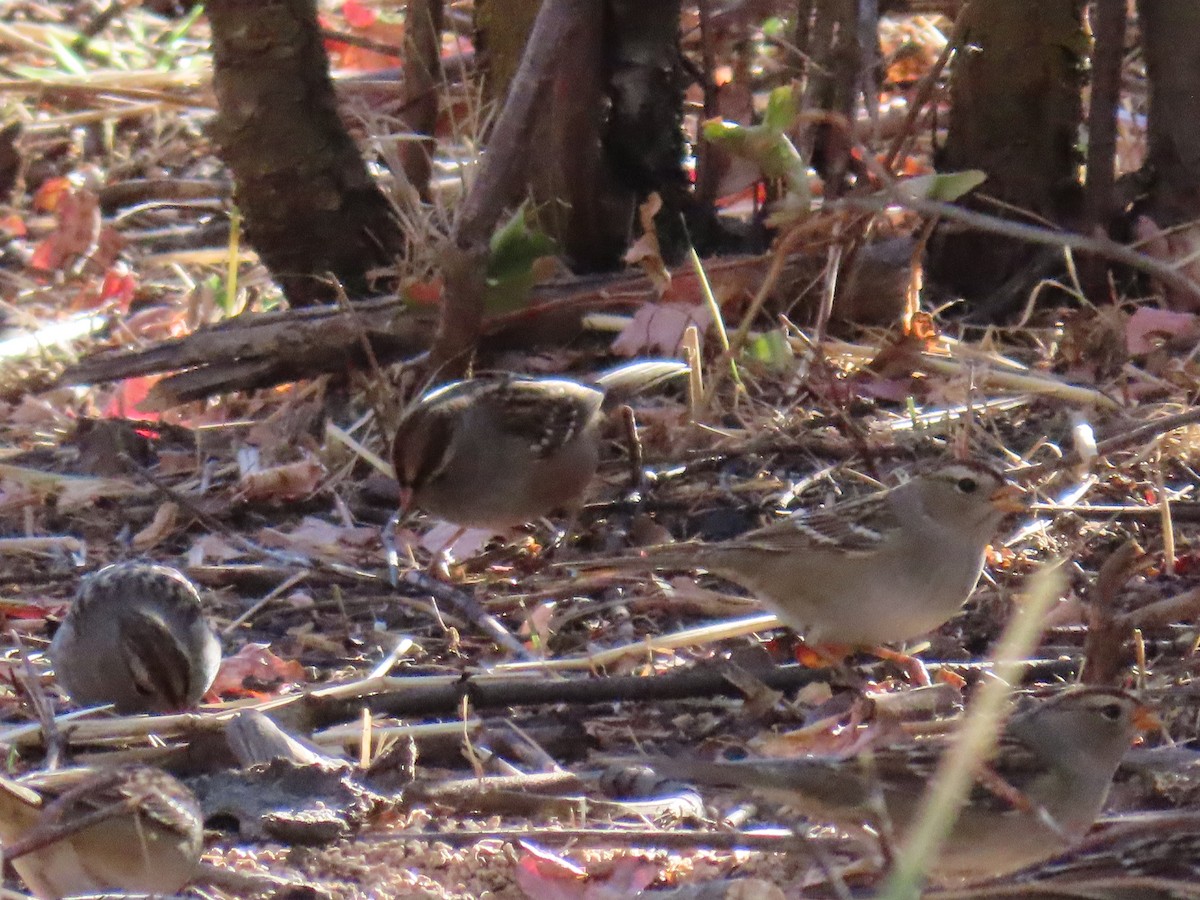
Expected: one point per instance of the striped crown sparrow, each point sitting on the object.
(136, 637)
(503, 451)
(1044, 787)
(133, 829)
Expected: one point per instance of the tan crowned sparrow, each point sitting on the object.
(1044, 785)
(886, 567)
(1144, 856)
(136, 637)
(500, 452)
(133, 829)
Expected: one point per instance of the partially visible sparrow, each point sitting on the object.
(1144, 856)
(887, 567)
(1039, 793)
(136, 637)
(500, 452)
(130, 830)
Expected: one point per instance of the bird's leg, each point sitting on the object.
(909, 665)
(558, 536)
(829, 656)
(439, 563)
(821, 656)
(633, 444)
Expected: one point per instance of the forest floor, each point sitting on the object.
(471, 775)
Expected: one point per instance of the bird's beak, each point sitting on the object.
(1146, 719)
(1009, 498)
(406, 495)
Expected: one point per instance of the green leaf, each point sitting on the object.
(767, 148)
(65, 56)
(782, 109)
(514, 249)
(772, 350)
(944, 186)
(774, 26)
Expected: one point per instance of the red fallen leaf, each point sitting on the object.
(358, 15)
(46, 256)
(545, 876)
(424, 293)
(14, 609)
(364, 21)
(258, 665)
(117, 287)
(78, 233)
(13, 226)
(49, 192)
(1187, 563)
(129, 396)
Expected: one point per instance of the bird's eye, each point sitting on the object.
(968, 485)
(1111, 711)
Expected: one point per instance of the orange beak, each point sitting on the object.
(1146, 719)
(406, 495)
(1009, 498)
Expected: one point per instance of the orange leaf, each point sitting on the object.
(13, 225)
(358, 15)
(258, 665)
(48, 194)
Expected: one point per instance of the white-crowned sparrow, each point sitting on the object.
(1055, 761)
(133, 829)
(500, 452)
(136, 637)
(1144, 856)
(886, 567)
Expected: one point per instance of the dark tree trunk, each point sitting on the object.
(579, 200)
(1016, 111)
(310, 205)
(644, 140)
(422, 77)
(842, 37)
(1171, 36)
(501, 30)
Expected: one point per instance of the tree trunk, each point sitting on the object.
(422, 79)
(1016, 112)
(609, 130)
(1169, 34)
(310, 205)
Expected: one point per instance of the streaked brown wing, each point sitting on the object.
(857, 527)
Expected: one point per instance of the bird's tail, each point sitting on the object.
(657, 556)
(770, 776)
(640, 375)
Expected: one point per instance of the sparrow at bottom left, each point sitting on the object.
(134, 829)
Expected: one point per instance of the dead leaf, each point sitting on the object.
(657, 329)
(546, 876)
(1180, 247)
(441, 539)
(287, 482)
(1149, 328)
(317, 537)
(645, 251)
(159, 528)
(255, 669)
